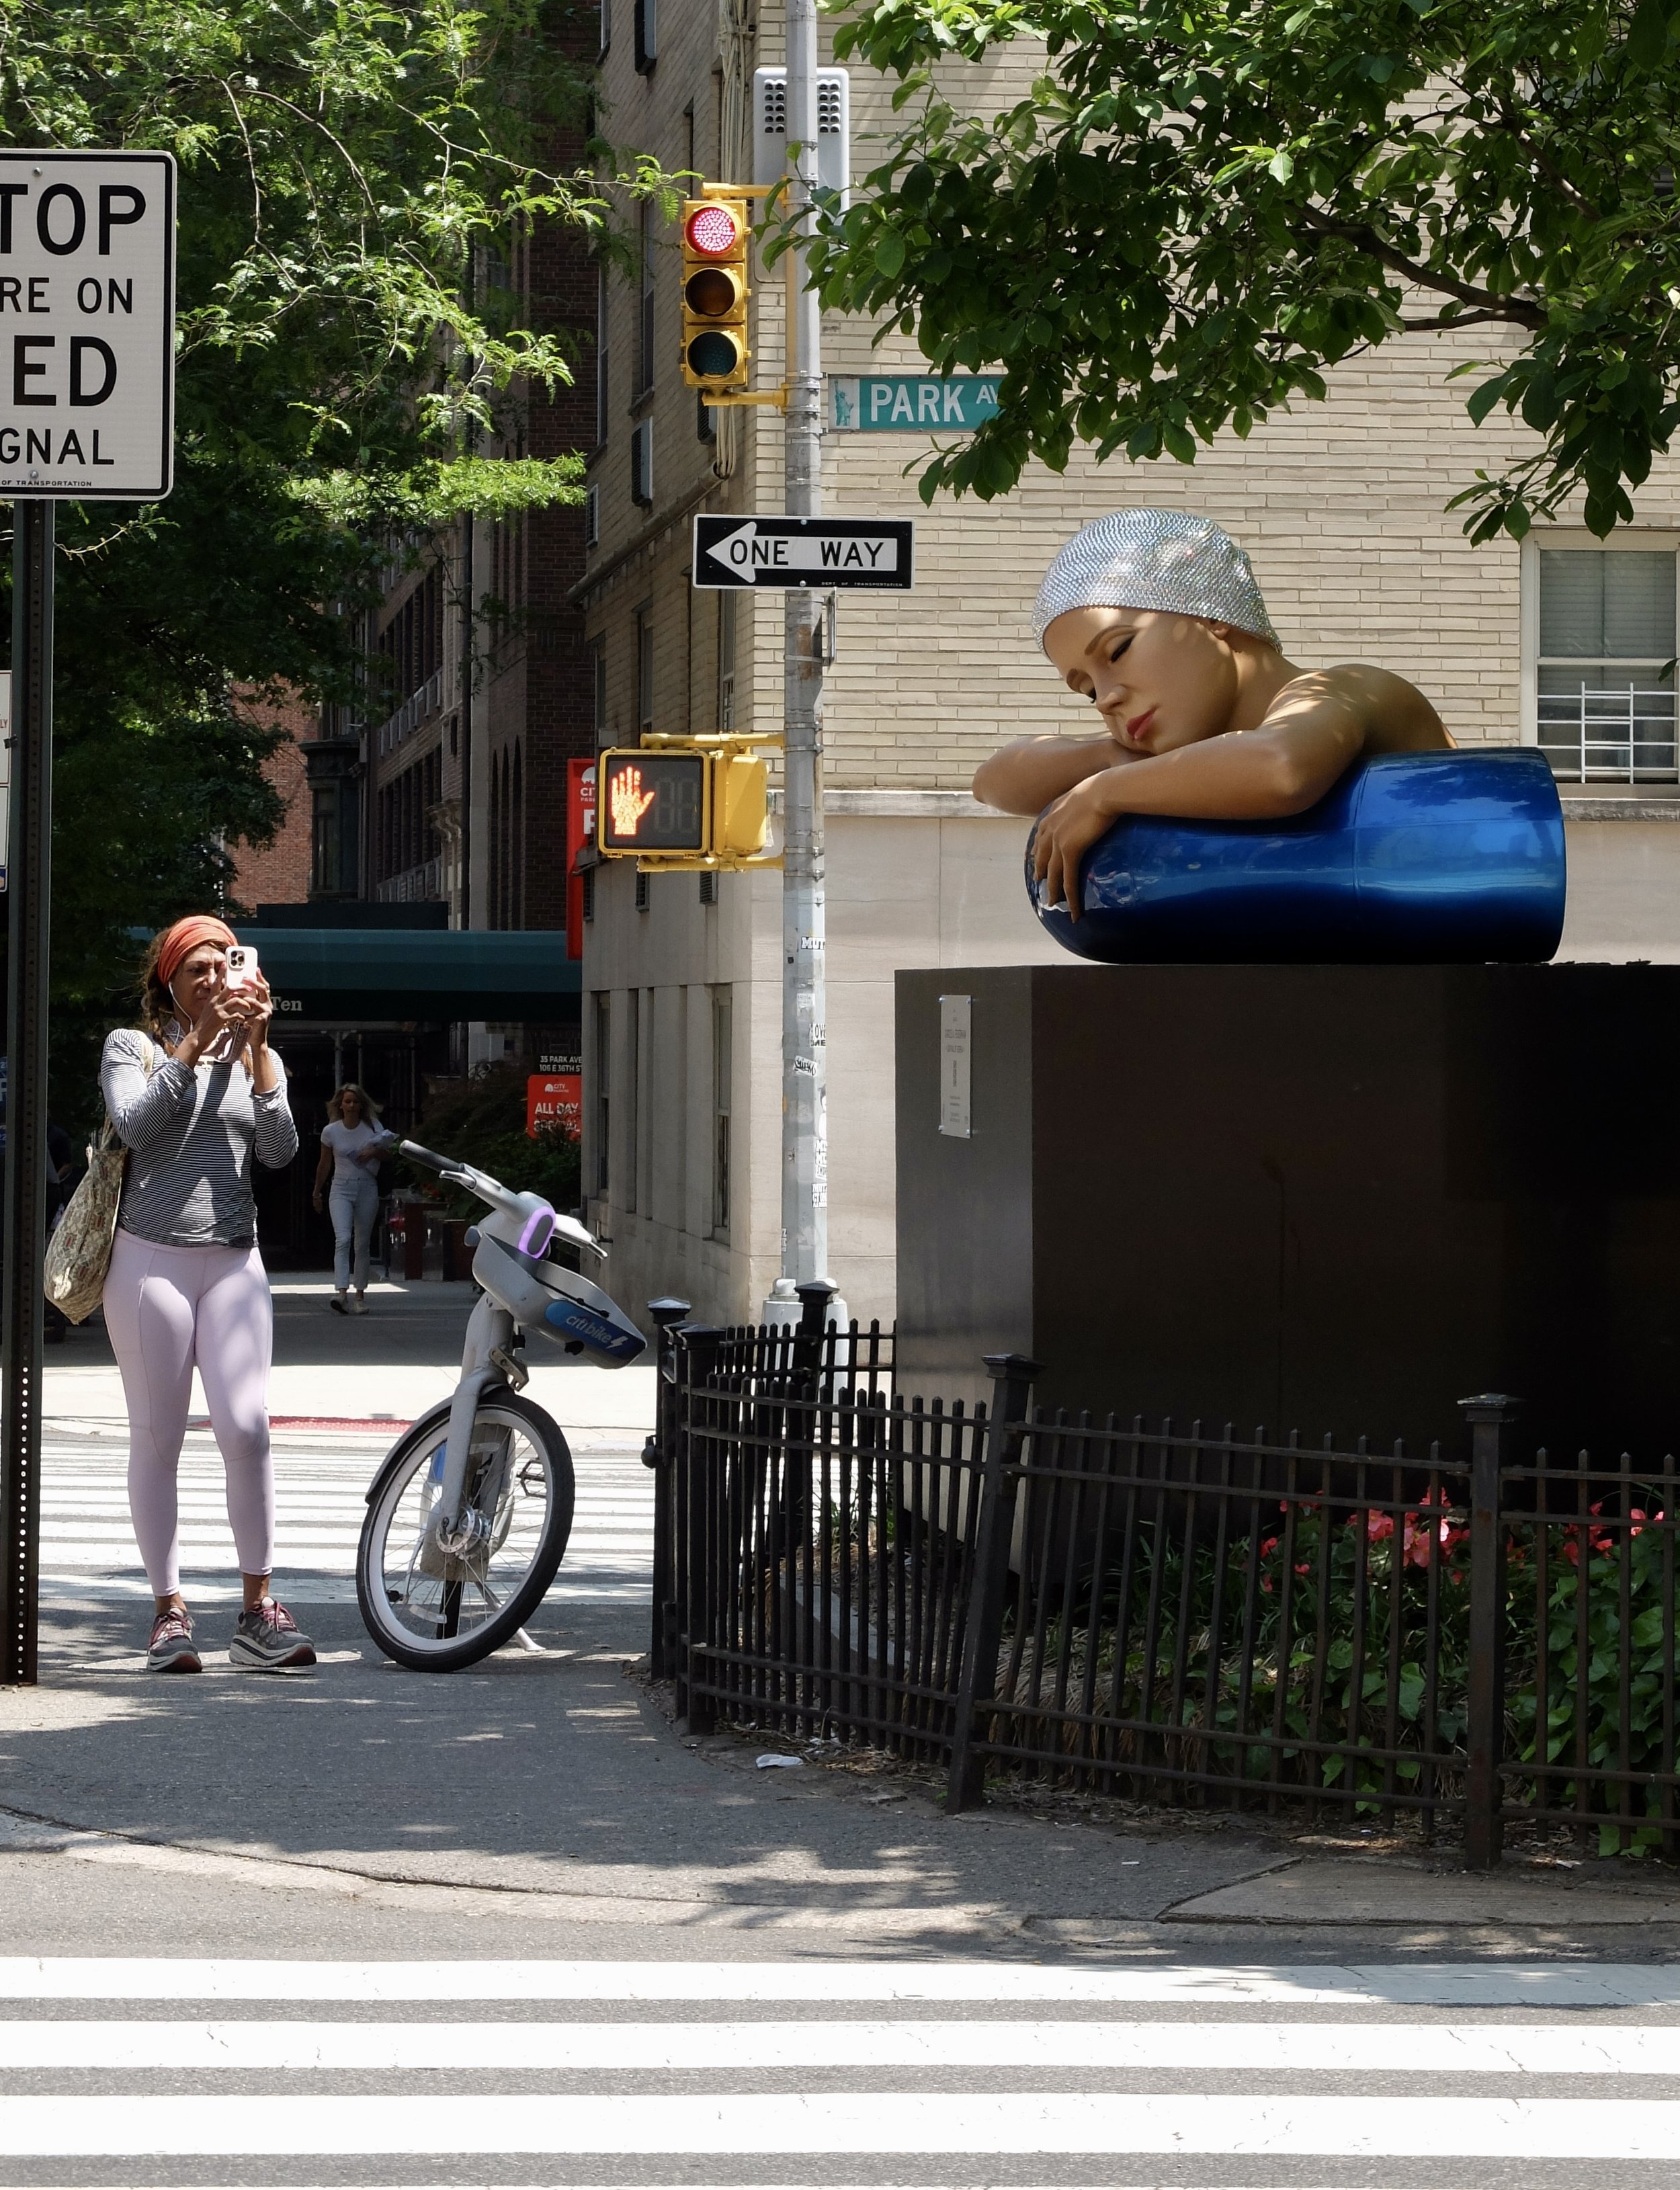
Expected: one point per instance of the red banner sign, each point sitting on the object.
(554, 1098)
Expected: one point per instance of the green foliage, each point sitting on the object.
(1204, 205)
(1330, 1655)
(354, 176)
(482, 1122)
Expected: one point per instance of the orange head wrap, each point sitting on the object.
(185, 937)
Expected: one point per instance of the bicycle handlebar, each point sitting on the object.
(429, 1156)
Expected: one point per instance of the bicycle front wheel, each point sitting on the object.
(433, 1610)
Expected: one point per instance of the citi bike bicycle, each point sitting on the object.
(469, 1515)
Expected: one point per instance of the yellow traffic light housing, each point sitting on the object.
(697, 804)
(716, 240)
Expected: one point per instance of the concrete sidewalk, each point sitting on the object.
(551, 1789)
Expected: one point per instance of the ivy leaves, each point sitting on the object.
(1205, 205)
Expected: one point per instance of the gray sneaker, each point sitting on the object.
(267, 1637)
(171, 1649)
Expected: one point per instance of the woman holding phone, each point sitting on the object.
(351, 1145)
(196, 1095)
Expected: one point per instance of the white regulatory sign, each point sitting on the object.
(957, 1023)
(86, 324)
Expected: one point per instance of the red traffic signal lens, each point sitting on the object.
(714, 230)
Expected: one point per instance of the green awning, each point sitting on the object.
(367, 974)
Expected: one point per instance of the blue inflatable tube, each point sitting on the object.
(1440, 857)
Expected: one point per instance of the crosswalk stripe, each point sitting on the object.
(320, 1500)
(1401, 1984)
(846, 2122)
(1425, 2048)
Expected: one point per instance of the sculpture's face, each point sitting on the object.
(1158, 680)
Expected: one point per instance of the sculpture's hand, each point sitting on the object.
(1066, 832)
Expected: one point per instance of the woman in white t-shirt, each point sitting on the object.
(351, 1146)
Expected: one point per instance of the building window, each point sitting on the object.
(644, 260)
(647, 35)
(708, 888)
(606, 31)
(600, 1123)
(641, 462)
(723, 1088)
(516, 842)
(643, 671)
(726, 660)
(497, 847)
(602, 385)
(633, 1093)
(598, 664)
(1605, 663)
(641, 892)
(705, 419)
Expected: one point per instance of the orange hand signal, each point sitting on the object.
(629, 802)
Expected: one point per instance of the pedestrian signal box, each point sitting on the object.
(715, 242)
(695, 804)
(654, 802)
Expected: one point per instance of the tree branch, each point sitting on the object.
(1520, 310)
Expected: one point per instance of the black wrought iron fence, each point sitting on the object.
(1156, 1612)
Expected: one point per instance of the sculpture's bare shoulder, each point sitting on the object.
(1393, 714)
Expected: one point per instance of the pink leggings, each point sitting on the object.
(166, 1309)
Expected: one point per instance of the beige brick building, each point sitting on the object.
(1342, 506)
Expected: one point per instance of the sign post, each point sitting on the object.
(87, 400)
(804, 915)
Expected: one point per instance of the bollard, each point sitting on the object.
(658, 1454)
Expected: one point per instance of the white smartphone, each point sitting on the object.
(241, 967)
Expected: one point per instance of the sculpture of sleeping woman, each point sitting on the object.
(1154, 616)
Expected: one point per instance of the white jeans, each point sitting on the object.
(355, 1204)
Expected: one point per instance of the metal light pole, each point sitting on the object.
(804, 1106)
(29, 882)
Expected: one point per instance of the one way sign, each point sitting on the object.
(877, 552)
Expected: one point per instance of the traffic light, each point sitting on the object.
(697, 804)
(716, 242)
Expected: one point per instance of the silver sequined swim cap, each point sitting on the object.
(1154, 558)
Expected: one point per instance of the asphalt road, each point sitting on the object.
(513, 1927)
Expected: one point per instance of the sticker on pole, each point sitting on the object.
(86, 325)
(878, 553)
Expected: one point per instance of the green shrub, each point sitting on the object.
(481, 1120)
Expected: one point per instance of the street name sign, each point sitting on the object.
(86, 325)
(911, 402)
(876, 553)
